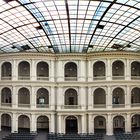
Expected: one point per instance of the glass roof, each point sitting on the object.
(69, 26)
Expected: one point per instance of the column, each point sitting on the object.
(109, 98)
(82, 71)
(59, 126)
(128, 124)
(90, 71)
(52, 123)
(83, 119)
(14, 124)
(14, 98)
(14, 70)
(108, 70)
(127, 70)
(83, 98)
(128, 97)
(51, 71)
(52, 98)
(33, 98)
(33, 124)
(60, 97)
(33, 71)
(60, 71)
(109, 125)
(90, 98)
(90, 124)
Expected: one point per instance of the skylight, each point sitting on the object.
(69, 26)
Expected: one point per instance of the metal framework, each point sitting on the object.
(69, 26)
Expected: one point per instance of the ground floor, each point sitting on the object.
(71, 123)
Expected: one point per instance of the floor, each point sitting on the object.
(109, 137)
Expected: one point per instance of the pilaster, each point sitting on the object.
(128, 123)
(33, 70)
(14, 70)
(33, 122)
(14, 124)
(109, 125)
(108, 70)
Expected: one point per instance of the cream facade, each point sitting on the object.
(97, 91)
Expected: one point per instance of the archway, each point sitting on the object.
(43, 123)
(70, 71)
(118, 70)
(42, 71)
(99, 71)
(6, 97)
(135, 122)
(6, 122)
(24, 97)
(42, 98)
(99, 124)
(118, 124)
(118, 97)
(23, 123)
(71, 124)
(135, 70)
(24, 70)
(6, 71)
(135, 97)
(71, 97)
(99, 98)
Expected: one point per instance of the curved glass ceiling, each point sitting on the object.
(65, 26)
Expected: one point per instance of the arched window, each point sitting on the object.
(118, 124)
(118, 99)
(99, 70)
(71, 124)
(135, 123)
(71, 99)
(70, 71)
(6, 71)
(99, 98)
(43, 123)
(23, 123)
(5, 122)
(42, 98)
(23, 97)
(135, 70)
(99, 124)
(118, 70)
(135, 97)
(6, 98)
(42, 71)
(24, 70)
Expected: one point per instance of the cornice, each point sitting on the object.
(70, 84)
(71, 56)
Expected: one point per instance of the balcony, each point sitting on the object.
(135, 77)
(6, 78)
(118, 105)
(99, 105)
(43, 78)
(118, 77)
(24, 78)
(135, 105)
(42, 105)
(24, 105)
(70, 78)
(6, 104)
(99, 78)
(71, 107)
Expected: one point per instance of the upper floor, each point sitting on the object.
(70, 67)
